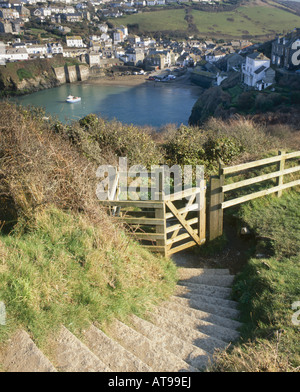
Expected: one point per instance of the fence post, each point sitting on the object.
(202, 212)
(280, 168)
(160, 213)
(215, 223)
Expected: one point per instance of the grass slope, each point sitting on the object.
(267, 288)
(156, 21)
(65, 270)
(249, 21)
(63, 260)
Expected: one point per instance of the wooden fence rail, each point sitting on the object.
(218, 187)
(163, 225)
(169, 224)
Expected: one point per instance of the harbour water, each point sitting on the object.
(154, 104)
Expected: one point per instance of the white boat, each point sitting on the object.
(72, 99)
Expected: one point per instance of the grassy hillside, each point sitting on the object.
(63, 260)
(267, 288)
(251, 21)
(246, 21)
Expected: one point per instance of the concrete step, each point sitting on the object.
(213, 330)
(210, 280)
(211, 291)
(115, 356)
(186, 333)
(226, 303)
(191, 354)
(183, 306)
(159, 359)
(23, 356)
(71, 355)
(186, 273)
(195, 302)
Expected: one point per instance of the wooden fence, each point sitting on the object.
(218, 188)
(171, 224)
(164, 225)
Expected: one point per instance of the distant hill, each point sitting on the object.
(257, 21)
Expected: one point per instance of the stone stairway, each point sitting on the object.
(180, 335)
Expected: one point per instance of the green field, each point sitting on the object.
(252, 21)
(156, 21)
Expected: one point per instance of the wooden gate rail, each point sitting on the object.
(218, 187)
(154, 223)
(164, 225)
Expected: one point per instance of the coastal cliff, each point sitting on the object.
(276, 105)
(25, 77)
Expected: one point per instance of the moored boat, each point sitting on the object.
(72, 99)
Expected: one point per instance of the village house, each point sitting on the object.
(124, 30)
(256, 72)
(2, 53)
(74, 42)
(154, 61)
(159, 59)
(234, 61)
(72, 18)
(74, 52)
(6, 27)
(133, 39)
(93, 59)
(37, 49)
(214, 56)
(55, 48)
(16, 54)
(46, 12)
(135, 56)
(8, 14)
(118, 36)
(103, 27)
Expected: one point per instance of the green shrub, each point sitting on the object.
(246, 101)
(225, 148)
(185, 147)
(24, 74)
(295, 97)
(105, 141)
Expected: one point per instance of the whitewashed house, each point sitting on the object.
(103, 27)
(37, 49)
(214, 56)
(74, 42)
(2, 53)
(256, 71)
(118, 36)
(124, 30)
(55, 48)
(16, 54)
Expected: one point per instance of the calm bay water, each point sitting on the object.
(147, 104)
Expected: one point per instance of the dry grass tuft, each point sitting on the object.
(38, 168)
(258, 356)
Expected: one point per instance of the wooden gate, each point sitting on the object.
(167, 225)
